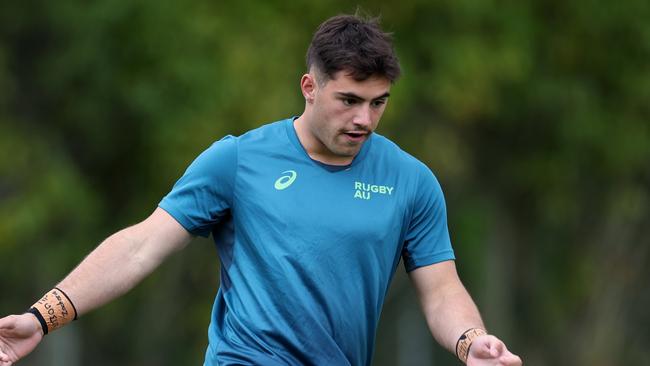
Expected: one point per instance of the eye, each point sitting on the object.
(378, 102)
(349, 101)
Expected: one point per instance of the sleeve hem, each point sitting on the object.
(183, 220)
(415, 263)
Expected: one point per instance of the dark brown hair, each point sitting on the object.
(353, 44)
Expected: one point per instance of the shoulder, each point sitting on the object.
(230, 144)
(413, 174)
(388, 152)
(220, 150)
(268, 131)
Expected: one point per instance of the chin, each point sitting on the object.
(348, 153)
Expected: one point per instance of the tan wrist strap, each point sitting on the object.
(465, 342)
(54, 310)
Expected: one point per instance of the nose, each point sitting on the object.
(362, 118)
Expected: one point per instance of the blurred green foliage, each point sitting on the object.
(534, 115)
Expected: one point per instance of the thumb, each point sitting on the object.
(486, 347)
(496, 349)
(481, 349)
(8, 322)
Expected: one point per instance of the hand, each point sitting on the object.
(19, 335)
(488, 350)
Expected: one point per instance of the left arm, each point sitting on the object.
(450, 311)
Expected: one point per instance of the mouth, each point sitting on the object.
(356, 135)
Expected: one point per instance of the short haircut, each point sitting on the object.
(354, 44)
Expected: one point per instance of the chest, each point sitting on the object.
(301, 198)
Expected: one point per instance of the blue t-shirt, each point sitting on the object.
(307, 250)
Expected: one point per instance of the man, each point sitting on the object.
(311, 216)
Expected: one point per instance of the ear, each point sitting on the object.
(308, 86)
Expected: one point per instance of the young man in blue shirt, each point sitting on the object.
(311, 216)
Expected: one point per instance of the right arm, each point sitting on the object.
(123, 260)
(109, 271)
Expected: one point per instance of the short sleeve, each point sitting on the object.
(203, 195)
(427, 238)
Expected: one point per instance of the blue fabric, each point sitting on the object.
(307, 250)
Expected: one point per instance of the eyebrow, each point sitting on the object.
(354, 96)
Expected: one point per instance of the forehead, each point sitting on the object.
(372, 87)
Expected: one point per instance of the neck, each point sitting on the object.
(313, 146)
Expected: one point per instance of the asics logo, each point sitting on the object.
(286, 180)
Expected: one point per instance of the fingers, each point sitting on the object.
(8, 322)
(4, 358)
(510, 360)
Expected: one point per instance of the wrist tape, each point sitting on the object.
(54, 310)
(465, 342)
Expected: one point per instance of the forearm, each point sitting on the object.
(451, 314)
(448, 308)
(111, 270)
(122, 261)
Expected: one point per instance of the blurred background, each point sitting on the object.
(534, 115)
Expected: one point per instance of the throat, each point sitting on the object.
(331, 159)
